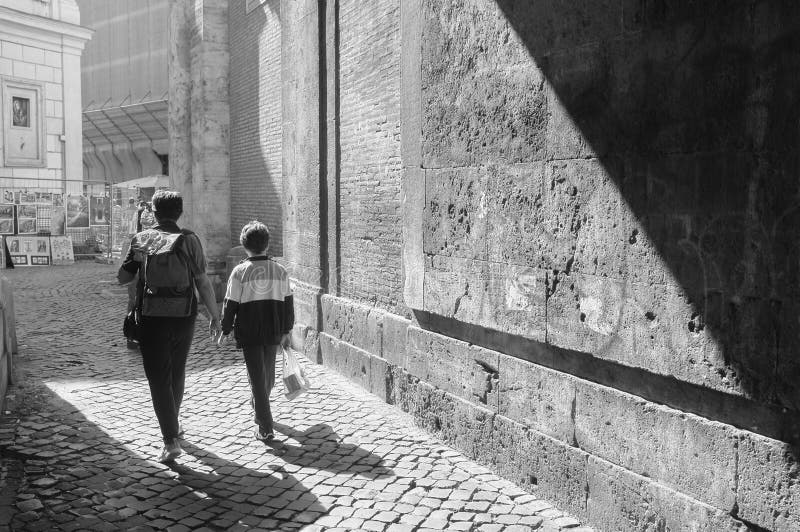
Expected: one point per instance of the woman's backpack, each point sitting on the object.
(168, 283)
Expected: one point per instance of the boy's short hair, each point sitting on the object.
(254, 237)
(167, 205)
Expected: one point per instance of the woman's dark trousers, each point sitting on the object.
(165, 344)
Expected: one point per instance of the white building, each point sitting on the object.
(40, 72)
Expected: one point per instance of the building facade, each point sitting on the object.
(558, 234)
(40, 50)
(125, 90)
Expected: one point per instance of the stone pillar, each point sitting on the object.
(413, 187)
(333, 147)
(305, 168)
(199, 122)
(179, 117)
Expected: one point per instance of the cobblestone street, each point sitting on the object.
(79, 440)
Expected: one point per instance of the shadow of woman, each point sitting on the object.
(276, 497)
(322, 448)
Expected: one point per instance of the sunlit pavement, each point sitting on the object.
(79, 440)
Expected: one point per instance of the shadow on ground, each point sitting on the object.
(60, 471)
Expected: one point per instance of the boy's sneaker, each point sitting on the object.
(171, 451)
(264, 435)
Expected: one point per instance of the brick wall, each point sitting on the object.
(255, 100)
(370, 151)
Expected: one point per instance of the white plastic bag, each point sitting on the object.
(295, 382)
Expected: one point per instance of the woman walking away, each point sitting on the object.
(170, 263)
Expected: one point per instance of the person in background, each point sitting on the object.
(259, 310)
(144, 216)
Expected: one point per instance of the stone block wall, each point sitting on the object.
(256, 126)
(625, 172)
(588, 224)
(616, 460)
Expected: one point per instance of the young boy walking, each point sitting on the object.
(259, 309)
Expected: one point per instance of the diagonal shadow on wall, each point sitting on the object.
(690, 110)
(255, 105)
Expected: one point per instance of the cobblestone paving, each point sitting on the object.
(78, 440)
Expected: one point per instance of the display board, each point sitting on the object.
(31, 212)
(61, 250)
(29, 250)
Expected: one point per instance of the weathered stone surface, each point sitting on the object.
(460, 423)
(310, 343)
(478, 105)
(347, 360)
(574, 192)
(307, 304)
(371, 372)
(465, 371)
(581, 71)
(301, 166)
(359, 325)
(503, 297)
(208, 210)
(455, 287)
(379, 378)
(455, 213)
(768, 491)
(547, 467)
(537, 398)
(687, 453)
(514, 209)
(516, 300)
(413, 256)
(635, 325)
(395, 340)
(621, 500)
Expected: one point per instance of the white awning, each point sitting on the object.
(153, 181)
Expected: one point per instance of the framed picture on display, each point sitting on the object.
(23, 123)
(100, 210)
(6, 219)
(77, 211)
(26, 211)
(26, 226)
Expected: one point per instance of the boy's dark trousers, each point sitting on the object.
(165, 345)
(260, 361)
